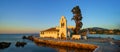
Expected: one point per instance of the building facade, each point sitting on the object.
(62, 31)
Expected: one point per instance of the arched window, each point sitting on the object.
(62, 25)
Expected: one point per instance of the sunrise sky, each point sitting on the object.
(29, 16)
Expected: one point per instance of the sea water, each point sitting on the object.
(32, 47)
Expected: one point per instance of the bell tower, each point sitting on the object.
(63, 28)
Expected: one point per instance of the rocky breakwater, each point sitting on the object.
(66, 44)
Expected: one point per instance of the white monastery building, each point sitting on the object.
(62, 31)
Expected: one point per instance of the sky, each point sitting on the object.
(30, 16)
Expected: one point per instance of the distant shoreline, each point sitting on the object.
(98, 30)
(103, 33)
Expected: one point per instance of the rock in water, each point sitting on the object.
(20, 44)
(4, 45)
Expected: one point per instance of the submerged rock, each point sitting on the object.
(4, 45)
(20, 44)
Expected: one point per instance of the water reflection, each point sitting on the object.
(64, 49)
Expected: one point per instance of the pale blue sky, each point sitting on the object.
(24, 16)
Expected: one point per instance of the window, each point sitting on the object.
(62, 19)
(42, 32)
(62, 25)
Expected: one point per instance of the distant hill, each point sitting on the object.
(98, 30)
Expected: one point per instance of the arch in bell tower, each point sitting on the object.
(63, 27)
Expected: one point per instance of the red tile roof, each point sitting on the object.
(50, 29)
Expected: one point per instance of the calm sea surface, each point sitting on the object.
(117, 37)
(32, 47)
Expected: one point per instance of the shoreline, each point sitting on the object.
(96, 49)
